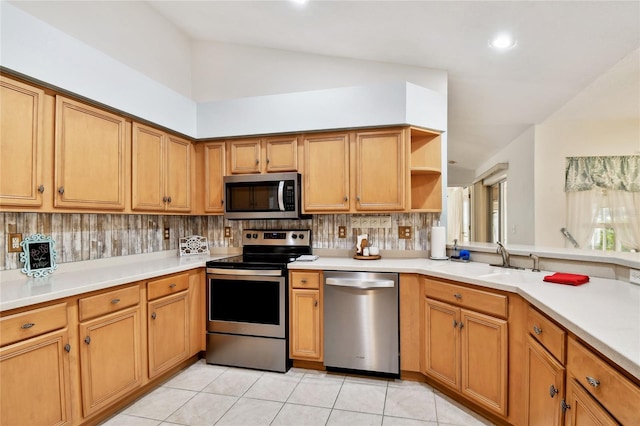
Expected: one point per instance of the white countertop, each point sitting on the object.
(605, 313)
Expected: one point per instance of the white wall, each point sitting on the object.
(41, 51)
(229, 71)
(520, 186)
(603, 119)
(130, 32)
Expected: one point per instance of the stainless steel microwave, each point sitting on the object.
(265, 196)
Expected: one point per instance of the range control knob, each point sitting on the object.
(248, 235)
(294, 236)
(255, 235)
(301, 236)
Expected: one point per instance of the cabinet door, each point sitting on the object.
(281, 154)
(110, 358)
(20, 143)
(34, 379)
(147, 165)
(89, 157)
(214, 160)
(583, 410)
(178, 174)
(305, 324)
(326, 180)
(442, 342)
(168, 328)
(245, 156)
(544, 386)
(380, 170)
(484, 352)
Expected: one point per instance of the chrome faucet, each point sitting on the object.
(502, 250)
(536, 262)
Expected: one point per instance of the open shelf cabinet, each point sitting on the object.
(425, 170)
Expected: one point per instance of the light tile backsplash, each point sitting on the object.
(84, 236)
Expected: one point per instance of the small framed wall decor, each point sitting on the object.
(38, 255)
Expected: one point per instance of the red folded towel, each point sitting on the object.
(570, 279)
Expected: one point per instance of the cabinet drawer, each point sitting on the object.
(32, 323)
(478, 300)
(94, 306)
(616, 393)
(552, 337)
(305, 280)
(165, 286)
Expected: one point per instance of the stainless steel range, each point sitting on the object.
(247, 301)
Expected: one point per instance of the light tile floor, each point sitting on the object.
(213, 395)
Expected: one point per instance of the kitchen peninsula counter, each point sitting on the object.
(605, 313)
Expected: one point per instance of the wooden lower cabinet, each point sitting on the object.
(110, 358)
(467, 351)
(583, 410)
(34, 381)
(305, 316)
(544, 386)
(168, 332)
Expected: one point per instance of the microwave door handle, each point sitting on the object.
(281, 195)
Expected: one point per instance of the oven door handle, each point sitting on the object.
(281, 195)
(245, 272)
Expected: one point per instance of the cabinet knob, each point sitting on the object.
(537, 330)
(41, 189)
(315, 303)
(553, 391)
(455, 323)
(564, 406)
(457, 296)
(61, 190)
(153, 315)
(169, 200)
(27, 325)
(87, 340)
(268, 161)
(115, 301)
(593, 382)
(461, 324)
(67, 347)
(303, 281)
(257, 161)
(221, 202)
(358, 199)
(172, 285)
(346, 198)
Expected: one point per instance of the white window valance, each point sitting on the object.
(620, 173)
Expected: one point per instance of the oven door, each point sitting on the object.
(250, 305)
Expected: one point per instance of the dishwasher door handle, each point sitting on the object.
(360, 284)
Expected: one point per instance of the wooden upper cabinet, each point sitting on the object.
(90, 157)
(281, 154)
(20, 144)
(269, 155)
(380, 170)
(326, 173)
(161, 171)
(425, 170)
(214, 169)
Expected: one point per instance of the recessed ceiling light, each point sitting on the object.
(503, 41)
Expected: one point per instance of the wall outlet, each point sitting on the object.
(634, 276)
(404, 232)
(227, 232)
(166, 233)
(13, 242)
(342, 232)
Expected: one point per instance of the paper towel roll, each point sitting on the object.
(438, 242)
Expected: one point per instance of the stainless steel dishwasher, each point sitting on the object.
(361, 322)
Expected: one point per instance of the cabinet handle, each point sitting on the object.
(87, 340)
(461, 324)
(457, 296)
(153, 315)
(67, 347)
(172, 285)
(346, 198)
(257, 161)
(169, 200)
(564, 406)
(593, 382)
(553, 391)
(315, 302)
(358, 199)
(221, 202)
(537, 330)
(455, 323)
(41, 189)
(27, 325)
(164, 199)
(115, 301)
(61, 190)
(303, 281)
(268, 161)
